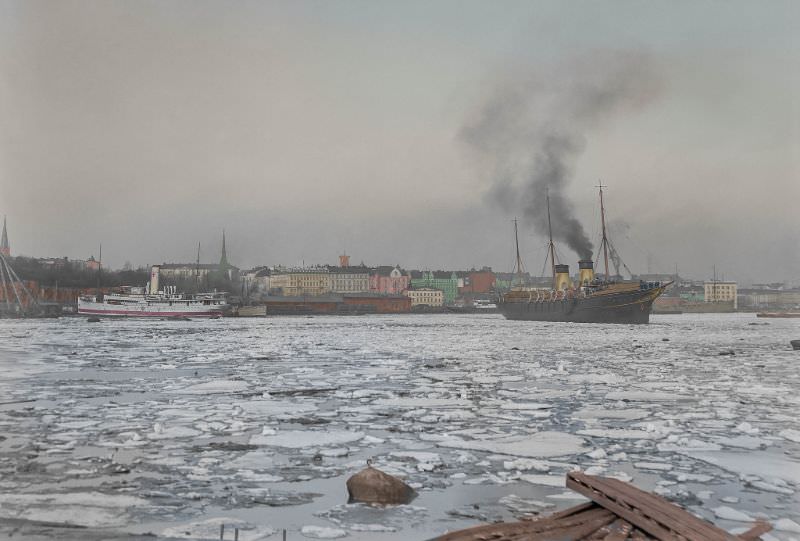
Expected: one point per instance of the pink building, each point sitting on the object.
(388, 280)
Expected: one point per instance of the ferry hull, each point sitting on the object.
(632, 307)
(105, 310)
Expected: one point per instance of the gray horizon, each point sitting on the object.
(307, 129)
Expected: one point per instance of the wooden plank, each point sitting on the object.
(650, 504)
(574, 532)
(569, 517)
(638, 535)
(572, 510)
(755, 532)
(645, 523)
(648, 512)
(590, 516)
(618, 531)
(667, 514)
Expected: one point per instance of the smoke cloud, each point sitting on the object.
(532, 127)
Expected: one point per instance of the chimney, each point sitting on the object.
(154, 271)
(344, 260)
(562, 277)
(586, 267)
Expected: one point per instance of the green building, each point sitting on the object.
(447, 282)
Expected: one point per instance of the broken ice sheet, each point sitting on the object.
(357, 375)
(209, 529)
(91, 509)
(301, 439)
(538, 445)
(762, 464)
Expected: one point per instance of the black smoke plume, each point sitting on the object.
(532, 127)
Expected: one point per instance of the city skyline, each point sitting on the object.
(308, 129)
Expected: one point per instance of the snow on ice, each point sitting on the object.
(170, 426)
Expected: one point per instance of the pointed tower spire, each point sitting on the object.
(223, 261)
(5, 249)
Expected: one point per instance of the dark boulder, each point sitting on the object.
(371, 485)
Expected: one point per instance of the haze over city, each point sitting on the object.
(408, 133)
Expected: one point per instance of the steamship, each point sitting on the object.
(150, 301)
(591, 300)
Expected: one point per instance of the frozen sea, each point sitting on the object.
(124, 428)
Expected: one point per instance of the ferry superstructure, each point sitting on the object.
(151, 301)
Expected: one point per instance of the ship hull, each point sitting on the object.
(146, 310)
(632, 307)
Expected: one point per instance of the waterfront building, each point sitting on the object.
(773, 298)
(425, 297)
(389, 280)
(446, 282)
(177, 272)
(349, 279)
(504, 281)
(719, 291)
(91, 264)
(301, 281)
(482, 281)
(257, 280)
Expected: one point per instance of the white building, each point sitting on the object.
(425, 297)
(716, 291)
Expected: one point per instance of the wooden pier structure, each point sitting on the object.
(617, 511)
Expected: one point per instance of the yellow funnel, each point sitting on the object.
(586, 267)
(562, 277)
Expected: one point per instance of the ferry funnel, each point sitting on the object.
(586, 267)
(154, 271)
(562, 277)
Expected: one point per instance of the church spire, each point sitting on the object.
(223, 261)
(5, 249)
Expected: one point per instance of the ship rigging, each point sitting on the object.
(590, 300)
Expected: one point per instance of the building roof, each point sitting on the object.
(353, 269)
(189, 266)
(300, 270)
(386, 270)
(437, 274)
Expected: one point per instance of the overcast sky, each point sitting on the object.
(308, 128)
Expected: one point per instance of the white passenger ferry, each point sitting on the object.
(151, 301)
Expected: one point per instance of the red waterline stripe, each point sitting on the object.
(144, 314)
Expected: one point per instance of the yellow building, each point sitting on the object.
(425, 297)
(303, 281)
(349, 279)
(716, 291)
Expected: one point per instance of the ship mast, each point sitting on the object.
(551, 247)
(100, 271)
(519, 258)
(197, 271)
(603, 223)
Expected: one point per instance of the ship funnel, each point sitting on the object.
(154, 270)
(586, 267)
(562, 277)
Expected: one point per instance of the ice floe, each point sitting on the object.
(301, 439)
(209, 529)
(322, 532)
(539, 445)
